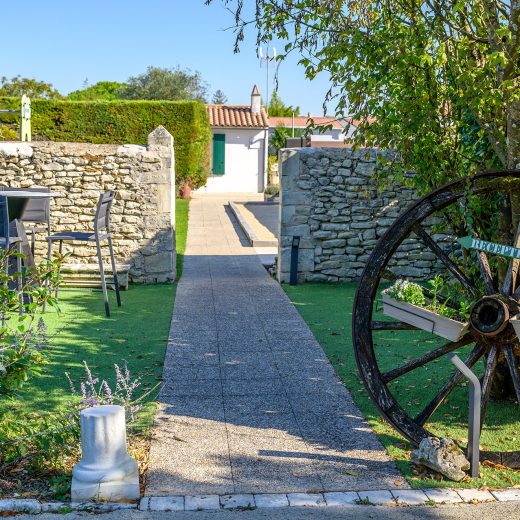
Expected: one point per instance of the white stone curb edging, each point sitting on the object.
(382, 497)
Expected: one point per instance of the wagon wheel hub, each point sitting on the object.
(490, 315)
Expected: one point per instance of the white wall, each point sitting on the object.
(245, 162)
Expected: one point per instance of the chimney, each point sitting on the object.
(255, 100)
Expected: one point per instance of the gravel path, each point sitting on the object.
(250, 403)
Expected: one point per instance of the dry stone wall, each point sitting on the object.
(328, 198)
(143, 213)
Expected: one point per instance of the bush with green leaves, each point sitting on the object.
(123, 122)
(23, 295)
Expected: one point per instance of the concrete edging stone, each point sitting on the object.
(393, 497)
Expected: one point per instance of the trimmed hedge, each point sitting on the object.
(120, 122)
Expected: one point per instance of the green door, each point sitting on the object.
(219, 154)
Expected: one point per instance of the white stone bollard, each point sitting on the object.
(106, 471)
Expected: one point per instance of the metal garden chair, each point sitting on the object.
(101, 233)
(7, 241)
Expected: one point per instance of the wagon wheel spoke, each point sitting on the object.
(430, 408)
(430, 356)
(444, 258)
(515, 375)
(487, 381)
(391, 325)
(512, 271)
(486, 272)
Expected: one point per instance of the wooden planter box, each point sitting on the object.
(424, 319)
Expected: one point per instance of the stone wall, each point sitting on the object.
(143, 213)
(329, 198)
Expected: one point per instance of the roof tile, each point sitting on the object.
(238, 116)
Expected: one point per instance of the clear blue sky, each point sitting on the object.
(66, 41)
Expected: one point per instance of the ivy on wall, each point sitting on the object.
(120, 122)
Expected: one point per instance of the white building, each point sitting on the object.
(238, 148)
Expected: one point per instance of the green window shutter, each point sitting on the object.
(219, 154)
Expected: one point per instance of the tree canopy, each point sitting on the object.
(437, 81)
(277, 108)
(101, 91)
(17, 86)
(166, 84)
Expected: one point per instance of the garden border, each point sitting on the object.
(381, 497)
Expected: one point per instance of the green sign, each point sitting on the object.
(489, 247)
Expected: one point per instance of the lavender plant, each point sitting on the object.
(93, 392)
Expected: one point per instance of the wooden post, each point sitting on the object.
(25, 119)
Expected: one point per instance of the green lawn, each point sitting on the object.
(327, 309)
(181, 220)
(137, 332)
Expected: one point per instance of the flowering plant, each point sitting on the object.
(430, 298)
(94, 392)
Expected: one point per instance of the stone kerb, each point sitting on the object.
(143, 214)
(329, 198)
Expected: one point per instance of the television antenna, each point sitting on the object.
(270, 55)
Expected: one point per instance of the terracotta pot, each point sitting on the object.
(186, 191)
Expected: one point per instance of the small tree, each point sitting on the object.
(279, 135)
(166, 84)
(101, 91)
(219, 98)
(277, 108)
(17, 86)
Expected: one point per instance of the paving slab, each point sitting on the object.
(268, 500)
(410, 497)
(443, 496)
(475, 495)
(306, 499)
(376, 497)
(249, 403)
(201, 502)
(237, 501)
(341, 498)
(506, 495)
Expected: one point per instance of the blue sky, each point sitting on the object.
(65, 42)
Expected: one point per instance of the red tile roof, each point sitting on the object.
(303, 122)
(236, 116)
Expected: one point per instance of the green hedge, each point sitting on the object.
(118, 122)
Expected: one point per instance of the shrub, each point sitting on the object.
(119, 122)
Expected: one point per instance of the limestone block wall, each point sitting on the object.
(328, 197)
(143, 213)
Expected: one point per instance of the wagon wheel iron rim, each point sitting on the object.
(486, 342)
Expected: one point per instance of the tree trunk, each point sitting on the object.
(502, 386)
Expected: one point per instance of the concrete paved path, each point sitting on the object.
(250, 403)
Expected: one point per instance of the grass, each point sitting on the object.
(181, 224)
(327, 309)
(136, 333)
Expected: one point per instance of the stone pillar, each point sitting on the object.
(106, 471)
(295, 206)
(164, 257)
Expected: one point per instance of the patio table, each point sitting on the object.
(16, 203)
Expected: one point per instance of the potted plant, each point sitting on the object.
(185, 189)
(424, 308)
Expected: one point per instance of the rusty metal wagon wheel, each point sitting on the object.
(489, 338)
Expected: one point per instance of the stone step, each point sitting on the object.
(87, 275)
